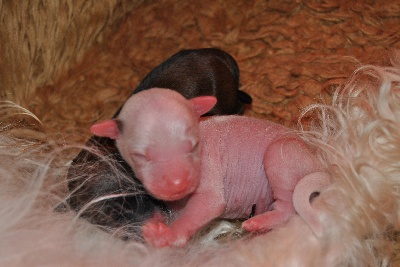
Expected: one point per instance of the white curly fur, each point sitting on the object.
(357, 137)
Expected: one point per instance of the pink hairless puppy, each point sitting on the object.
(216, 168)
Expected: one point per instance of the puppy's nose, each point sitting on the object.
(177, 183)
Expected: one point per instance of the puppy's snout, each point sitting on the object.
(177, 182)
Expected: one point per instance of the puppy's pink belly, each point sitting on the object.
(245, 194)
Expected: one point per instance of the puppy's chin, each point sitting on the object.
(174, 197)
(169, 195)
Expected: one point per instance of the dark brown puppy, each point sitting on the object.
(92, 175)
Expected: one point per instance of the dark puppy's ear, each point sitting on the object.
(244, 98)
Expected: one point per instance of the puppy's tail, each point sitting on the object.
(306, 189)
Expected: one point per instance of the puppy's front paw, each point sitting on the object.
(159, 235)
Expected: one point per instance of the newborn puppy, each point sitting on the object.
(191, 73)
(218, 168)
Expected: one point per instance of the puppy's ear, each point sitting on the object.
(203, 104)
(108, 128)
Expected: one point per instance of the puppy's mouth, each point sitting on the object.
(167, 194)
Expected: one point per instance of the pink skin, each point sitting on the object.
(216, 168)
